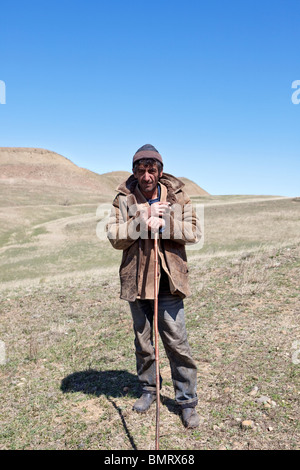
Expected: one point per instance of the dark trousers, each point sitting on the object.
(172, 330)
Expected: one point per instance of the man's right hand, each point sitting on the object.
(153, 216)
(155, 224)
(158, 209)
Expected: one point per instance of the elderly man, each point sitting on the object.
(153, 201)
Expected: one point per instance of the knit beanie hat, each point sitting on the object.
(147, 151)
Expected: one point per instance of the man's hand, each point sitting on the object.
(153, 215)
(158, 209)
(155, 223)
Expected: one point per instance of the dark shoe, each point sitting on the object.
(143, 404)
(190, 418)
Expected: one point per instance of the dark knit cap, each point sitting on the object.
(147, 151)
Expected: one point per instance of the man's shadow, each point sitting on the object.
(110, 383)
(96, 382)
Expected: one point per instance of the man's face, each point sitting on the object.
(147, 177)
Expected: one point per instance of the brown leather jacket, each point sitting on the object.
(125, 233)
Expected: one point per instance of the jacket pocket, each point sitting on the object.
(176, 261)
(129, 259)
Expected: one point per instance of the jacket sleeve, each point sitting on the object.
(122, 228)
(184, 223)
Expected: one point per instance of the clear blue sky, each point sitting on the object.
(208, 83)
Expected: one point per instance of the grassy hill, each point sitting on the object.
(70, 382)
(30, 176)
(41, 177)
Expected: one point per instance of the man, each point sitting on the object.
(153, 201)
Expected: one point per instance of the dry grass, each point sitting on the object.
(70, 379)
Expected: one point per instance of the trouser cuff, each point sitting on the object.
(188, 404)
(152, 391)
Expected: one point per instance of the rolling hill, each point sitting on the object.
(31, 168)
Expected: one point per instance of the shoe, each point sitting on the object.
(190, 418)
(143, 404)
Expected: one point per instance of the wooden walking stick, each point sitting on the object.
(156, 339)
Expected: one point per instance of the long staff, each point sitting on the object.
(156, 339)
